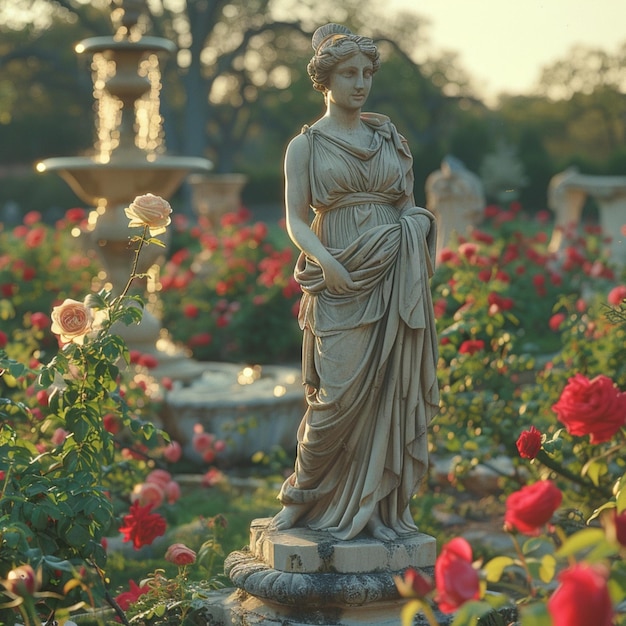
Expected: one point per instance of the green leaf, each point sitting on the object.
(621, 497)
(594, 469)
(409, 611)
(493, 569)
(547, 568)
(582, 540)
(77, 536)
(46, 377)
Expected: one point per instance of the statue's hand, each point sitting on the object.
(337, 278)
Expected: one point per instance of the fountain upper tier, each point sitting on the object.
(119, 180)
(129, 157)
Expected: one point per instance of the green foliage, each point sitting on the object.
(56, 502)
(495, 295)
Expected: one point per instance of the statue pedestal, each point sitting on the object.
(300, 577)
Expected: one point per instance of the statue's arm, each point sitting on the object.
(297, 205)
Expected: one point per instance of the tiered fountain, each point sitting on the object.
(129, 158)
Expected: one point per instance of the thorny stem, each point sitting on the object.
(522, 558)
(550, 463)
(133, 271)
(116, 607)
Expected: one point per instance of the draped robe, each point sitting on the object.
(369, 357)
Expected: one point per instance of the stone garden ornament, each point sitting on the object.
(369, 338)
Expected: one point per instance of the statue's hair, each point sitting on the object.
(334, 44)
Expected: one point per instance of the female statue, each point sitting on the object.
(369, 339)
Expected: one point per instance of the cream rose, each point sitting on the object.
(72, 320)
(151, 211)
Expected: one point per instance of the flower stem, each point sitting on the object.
(550, 463)
(522, 558)
(429, 615)
(133, 271)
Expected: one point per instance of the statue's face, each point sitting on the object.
(350, 82)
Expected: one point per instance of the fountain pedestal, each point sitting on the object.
(128, 160)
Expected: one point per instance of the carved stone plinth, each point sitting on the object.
(300, 576)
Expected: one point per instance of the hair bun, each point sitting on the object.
(326, 32)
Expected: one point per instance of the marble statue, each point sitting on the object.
(369, 338)
(455, 196)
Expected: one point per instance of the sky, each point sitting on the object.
(503, 44)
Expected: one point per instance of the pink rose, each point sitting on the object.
(530, 508)
(172, 452)
(202, 441)
(159, 476)
(148, 494)
(59, 436)
(591, 407)
(151, 211)
(180, 554)
(172, 492)
(22, 581)
(617, 295)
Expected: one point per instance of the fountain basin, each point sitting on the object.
(249, 417)
(119, 181)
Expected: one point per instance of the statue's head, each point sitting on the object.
(334, 44)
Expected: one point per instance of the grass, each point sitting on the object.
(239, 502)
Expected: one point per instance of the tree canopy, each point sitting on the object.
(237, 90)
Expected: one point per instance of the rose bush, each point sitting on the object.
(71, 446)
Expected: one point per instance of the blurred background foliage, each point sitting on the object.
(237, 91)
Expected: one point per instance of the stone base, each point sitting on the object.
(311, 571)
(252, 612)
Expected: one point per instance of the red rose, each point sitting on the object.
(582, 598)
(75, 215)
(471, 346)
(191, 310)
(617, 295)
(3, 339)
(39, 320)
(532, 507)
(414, 584)
(455, 578)
(142, 527)
(172, 452)
(132, 595)
(529, 443)
(111, 423)
(556, 321)
(180, 554)
(591, 407)
(148, 361)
